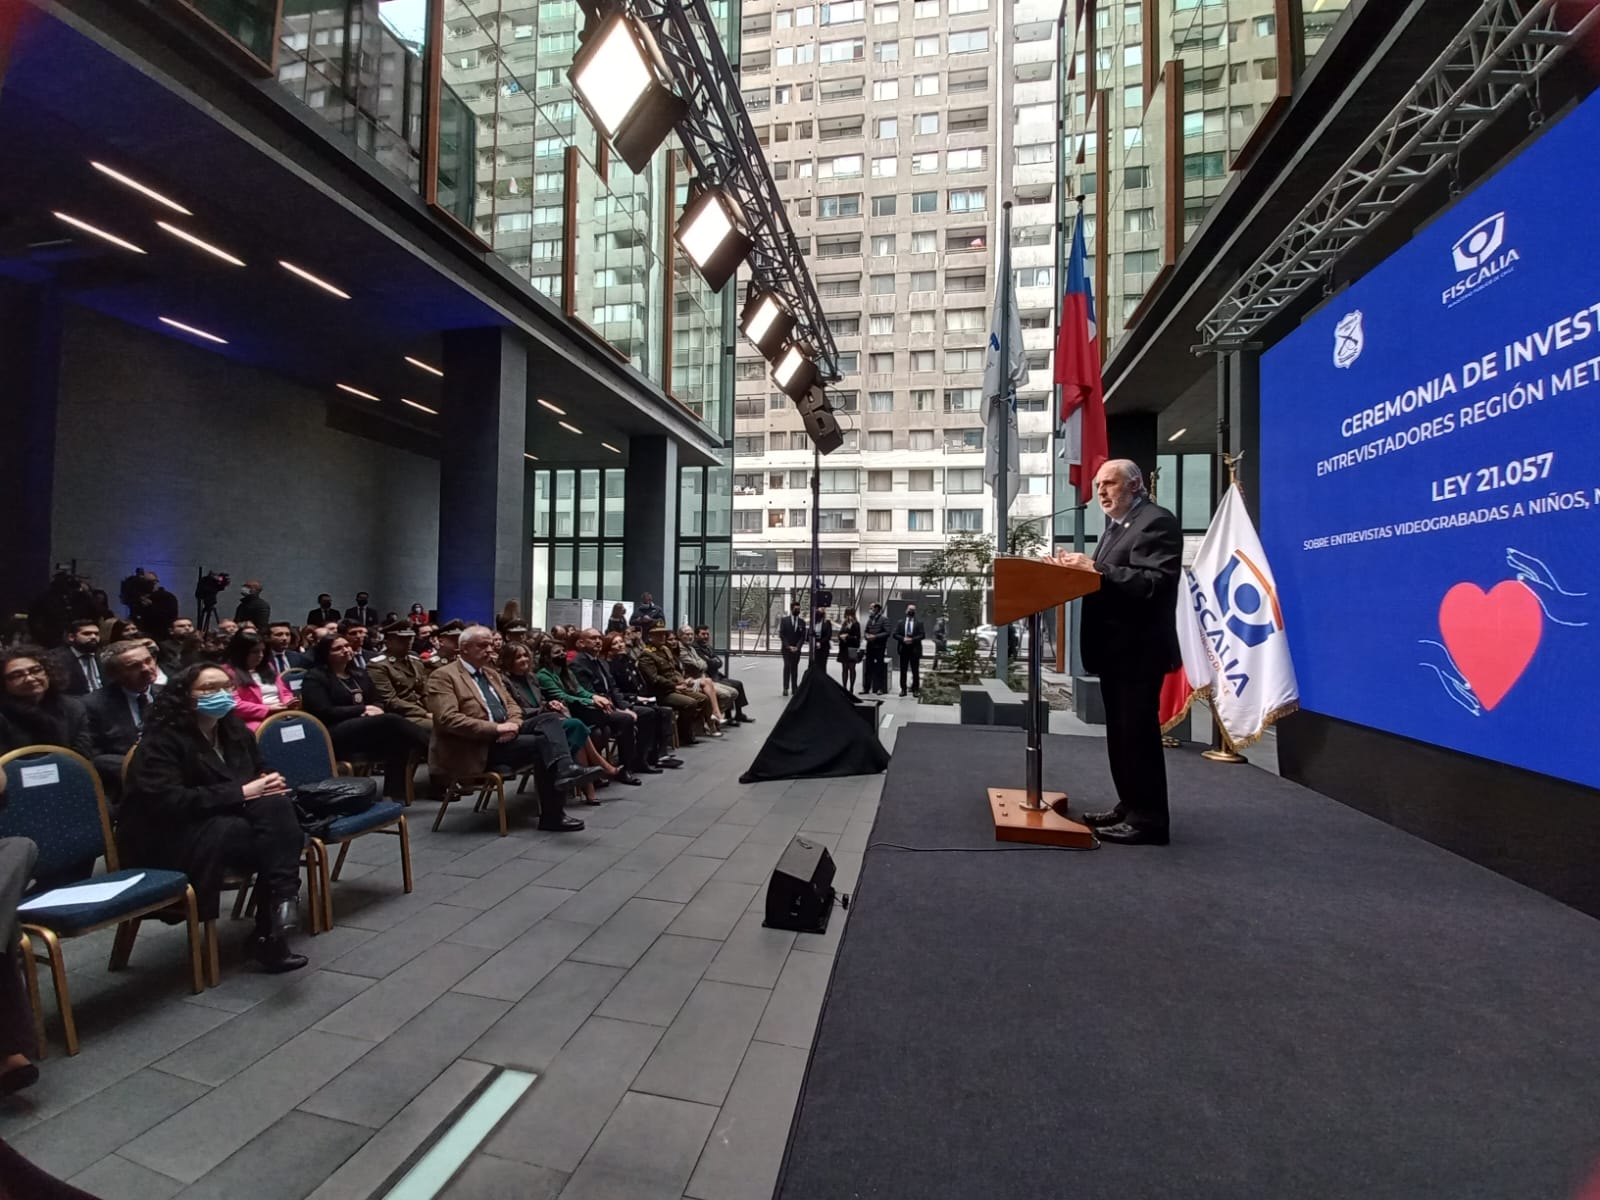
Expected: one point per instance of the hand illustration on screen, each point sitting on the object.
(1450, 676)
(1546, 589)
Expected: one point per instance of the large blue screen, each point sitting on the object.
(1430, 474)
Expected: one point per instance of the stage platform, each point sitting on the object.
(1290, 1000)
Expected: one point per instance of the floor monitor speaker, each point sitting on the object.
(800, 894)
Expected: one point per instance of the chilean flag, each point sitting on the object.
(1083, 404)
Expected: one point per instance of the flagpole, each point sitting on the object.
(1002, 485)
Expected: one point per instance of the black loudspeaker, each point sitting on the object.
(800, 894)
(825, 599)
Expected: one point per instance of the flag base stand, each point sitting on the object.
(1224, 756)
(1014, 821)
(1170, 742)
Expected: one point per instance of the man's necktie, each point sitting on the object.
(497, 710)
(143, 701)
(91, 671)
(1106, 538)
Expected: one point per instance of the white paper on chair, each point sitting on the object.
(41, 776)
(83, 893)
(293, 733)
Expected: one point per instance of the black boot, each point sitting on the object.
(270, 946)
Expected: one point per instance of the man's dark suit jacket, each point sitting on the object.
(367, 616)
(1130, 625)
(66, 660)
(321, 616)
(910, 647)
(111, 726)
(591, 673)
(792, 632)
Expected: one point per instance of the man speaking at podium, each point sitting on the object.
(1129, 638)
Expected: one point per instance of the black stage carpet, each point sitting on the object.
(1292, 1000)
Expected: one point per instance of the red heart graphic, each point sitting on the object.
(1492, 636)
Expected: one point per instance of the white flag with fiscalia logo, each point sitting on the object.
(999, 385)
(1230, 627)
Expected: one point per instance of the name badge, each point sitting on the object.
(293, 733)
(41, 776)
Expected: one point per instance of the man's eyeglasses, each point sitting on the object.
(22, 673)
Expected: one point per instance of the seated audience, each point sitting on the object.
(418, 616)
(117, 711)
(201, 801)
(226, 628)
(447, 643)
(697, 668)
(424, 647)
(651, 725)
(281, 652)
(259, 691)
(150, 644)
(706, 687)
(557, 681)
(34, 709)
(18, 1040)
(399, 678)
(714, 668)
(356, 634)
(477, 727)
(170, 649)
(307, 640)
(517, 673)
(659, 667)
(341, 698)
(78, 660)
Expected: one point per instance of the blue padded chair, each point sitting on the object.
(53, 796)
(306, 757)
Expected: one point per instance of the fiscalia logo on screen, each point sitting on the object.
(1489, 638)
(1481, 258)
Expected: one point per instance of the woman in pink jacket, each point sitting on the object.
(258, 690)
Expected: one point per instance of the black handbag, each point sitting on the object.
(318, 805)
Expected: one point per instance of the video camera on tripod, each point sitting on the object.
(207, 588)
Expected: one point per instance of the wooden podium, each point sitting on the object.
(1026, 587)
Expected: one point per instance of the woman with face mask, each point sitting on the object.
(201, 801)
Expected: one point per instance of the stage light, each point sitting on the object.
(620, 78)
(1179, 434)
(569, 428)
(431, 370)
(345, 387)
(767, 322)
(215, 251)
(140, 188)
(432, 412)
(190, 329)
(795, 371)
(312, 279)
(560, 412)
(712, 233)
(98, 232)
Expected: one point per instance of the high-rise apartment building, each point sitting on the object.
(884, 122)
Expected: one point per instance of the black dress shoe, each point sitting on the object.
(565, 825)
(627, 777)
(1112, 816)
(273, 954)
(575, 775)
(647, 769)
(1132, 835)
(669, 763)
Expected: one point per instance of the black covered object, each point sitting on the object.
(818, 735)
(800, 893)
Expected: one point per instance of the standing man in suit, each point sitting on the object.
(909, 634)
(792, 644)
(361, 612)
(877, 635)
(77, 660)
(1129, 638)
(116, 711)
(324, 612)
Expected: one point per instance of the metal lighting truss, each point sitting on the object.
(721, 145)
(1497, 58)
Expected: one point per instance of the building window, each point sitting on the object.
(924, 281)
(880, 520)
(924, 241)
(962, 400)
(880, 401)
(926, 47)
(925, 164)
(797, 518)
(965, 160)
(883, 206)
(845, 13)
(747, 520)
(848, 50)
(841, 166)
(748, 483)
(921, 360)
(964, 360)
(1033, 445)
(1138, 220)
(836, 520)
(880, 481)
(885, 14)
(969, 42)
(925, 85)
(836, 480)
(881, 364)
(841, 326)
(886, 167)
(883, 285)
(886, 89)
(1139, 262)
(963, 520)
(886, 51)
(963, 481)
(926, 123)
(880, 324)
(829, 207)
(967, 200)
(880, 440)
(922, 400)
(749, 445)
(920, 481)
(921, 439)
(882, 245)
(1133, 97)
(925, 202)
(1034, 276)
(1136, 177)
(964, 320)
(886, 128)
(919, 520)
(780, 440)
(963, 441)
(847, 360)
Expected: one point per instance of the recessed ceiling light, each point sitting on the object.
(199, 333)
(98, 232)
(560, 412)
(417, 362)
(203, 245)
(139, 187)
(310, 278)
(345, 387)
(432, 412)
(530, 457)
(1179, 434)
(569, 428)
(611, 448)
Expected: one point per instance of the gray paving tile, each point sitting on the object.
(512, 973)
(532, 1033)
(655, 988)
(118, 1178)
(791, 1016)
(746, 1145)
(367, 906)
(752, 862)
(243, 987)
(493, 852)
(192, 1142)
(655, 852)
(721, 840)
(290, 1158)
(380, 1084)
(647, 1151)
(392, 1001)
(87, 1132)
(680, 879)
(229, 1049)
(486, 1177)
(495, 886)
(582, 867)
(628, 933)
(855, 836)
(392, 949)
(361, 1174)
(830, 816)
(700, 1053)
(556, 1121)
(511, 918)
(602, 897)
(715, 910)
(776, 829)
(693, 821)
(847, 864)
(551, 847)
(748, 811)
(752, 955)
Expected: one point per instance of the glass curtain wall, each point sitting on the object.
(577, 538)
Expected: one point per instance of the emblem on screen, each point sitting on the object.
(1348, 339)
(1487, 639)
(1479, 244)
(1247, 601)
